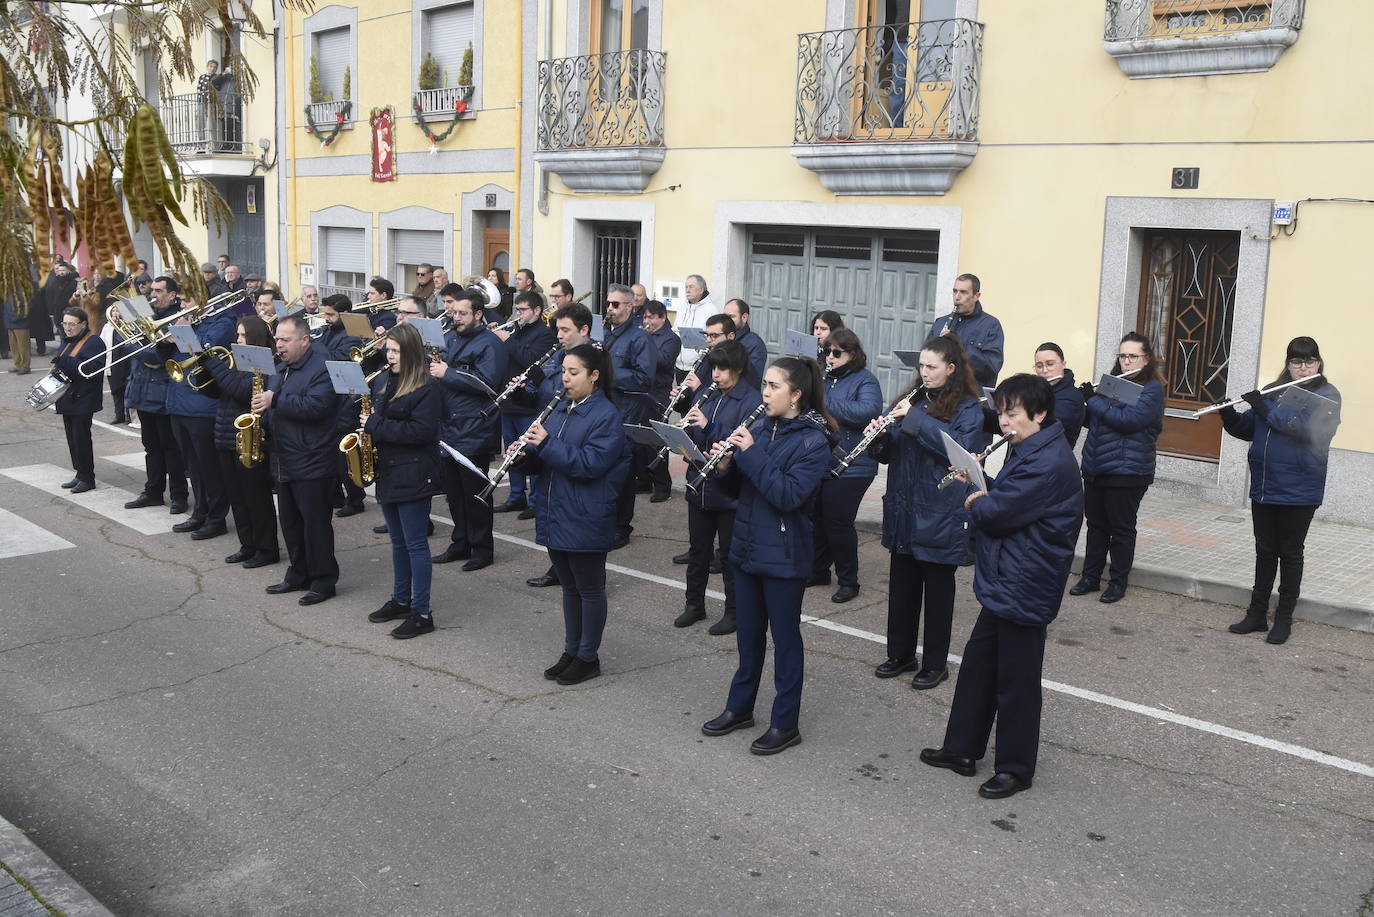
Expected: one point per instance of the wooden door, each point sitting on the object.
(496, 251)
(904, 50)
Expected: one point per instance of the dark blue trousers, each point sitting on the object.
(999, 678)
(763, 603)
(513, 426)
(195, 436)
(583, 577)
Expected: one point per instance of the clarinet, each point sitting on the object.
(515, 384)
(981, 457)
(663, 453)
(514, 456)
(681, 387)
(883, 423)
(713, 461)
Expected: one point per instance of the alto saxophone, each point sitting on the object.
(248, 439)
(360, 453)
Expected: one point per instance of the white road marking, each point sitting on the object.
(127, 459)
(106, 500)
(122, 431)
(1107, 700)
(20, 537)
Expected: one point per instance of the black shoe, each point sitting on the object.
(413, 626)
(1114, 592)
(511, 506)
(690, 615)
(477, 563)
(714, 565)
(239, 556)
(727, 723)
(1251, 623)
(1281, 631)
(644, 488)
(620, 542)
(210, 530)
(891, 668)
(578, 671)
(178, 506)
(819, 579)
(380, 529)
(774, 741)
(429, 528)
(314, 598)
(845, 594)
(661, 496)
(352, 509)
(682, 558)
(82, 486)
(390, 611)
(143, 500)
(70, 484)
(553, 671)
(543, 579)
(188, 525)
(283, 587)
(526, 513)
(262, 559)
(120, 419)
(21, 372)
(726, 625)
(1084, 586)
(938, 757)
(1000, 786)
(450, 555)
(929, 678)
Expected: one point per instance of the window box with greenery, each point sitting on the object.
(441, 97)
(324, 116)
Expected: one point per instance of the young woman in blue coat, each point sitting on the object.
(1068, 400)
(1118, 467)
(925, 529)
(823, 324)
(407, 410)
(577, 455)
(81, 402)
(854, 398)
(781, 460)
(711, 508)
(1289, 442)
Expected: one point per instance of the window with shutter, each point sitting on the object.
(333, 51)
(344, 257)
(447, 33)
(417, 246)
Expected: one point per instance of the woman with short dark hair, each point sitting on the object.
(79, 403)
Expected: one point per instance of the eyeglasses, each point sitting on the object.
(1047, 365)
(713, 335)
(1130, 357)
(1303, 362)
(837, 352)
(525, 309)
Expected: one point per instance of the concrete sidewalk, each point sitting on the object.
(31, 883)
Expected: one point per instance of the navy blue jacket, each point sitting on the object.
(981, 335)
(780, 474)
(235, 397)
(185, 401)
(918, 518)
(633, 362)
(854, 399)
(758, 351)
(480, 353)
(1068, 407)
(526, 344)
(83, 397)
(335, 341)
(1121, 437)
(405, 431)
(1028, 527)
(1288, 447)
(301, 422)
(580, 475)
(148, 379)
(667, 346)
(724, 412)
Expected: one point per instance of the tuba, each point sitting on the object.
(248, 438)
(360, 453)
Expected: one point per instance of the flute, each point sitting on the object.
(981, 457)
(515, 454)
(663, 453)
(713, 461)
(1235, 401)
(884, 422)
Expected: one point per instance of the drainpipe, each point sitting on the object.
(548, 55)
(283, 234)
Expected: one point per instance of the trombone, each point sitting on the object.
(385, 305)
(137, 329)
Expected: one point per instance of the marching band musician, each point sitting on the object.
(299, 412)
(1068, 400)
(1028, 522)
(336, 343)
(407, 415)
(780, 461)
(579, 457)
(823, 323)
(249, 489)
(82, 400)
(470, 347)
(711, 509)
(529, 341)
(635, 359)
(854, 398)
(925, 528)
(978, 331)
(147, 393)
(653, 318)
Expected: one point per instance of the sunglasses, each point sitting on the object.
(837, 352)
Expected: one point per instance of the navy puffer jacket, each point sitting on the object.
(780, 473)
(854, 399)
(1068, 407)
(1028, 527)
(581, 471)
(1121, 437)
(301, 423)
(405, 431)
(1289, 446)
(481, 354)
(83, 397)
(723, 412)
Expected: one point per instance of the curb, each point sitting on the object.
(51, 889)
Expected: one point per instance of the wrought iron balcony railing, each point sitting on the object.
(204, 122)
(910, 81)
(599, 101)
(1136, 19)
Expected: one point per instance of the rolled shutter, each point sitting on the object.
(333, 52)
(447, 33)
(344, 251)
(417, 246)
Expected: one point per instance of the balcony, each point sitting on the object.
(206, 131)
(439, 104)
(1161, 38)
(600, 119)
(889, 109)
(327, 114)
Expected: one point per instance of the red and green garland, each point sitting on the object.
(340, 116)
(460, 106)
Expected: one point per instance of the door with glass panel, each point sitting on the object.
(903, 56)
(625, 95)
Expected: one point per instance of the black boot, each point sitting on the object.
(1256, 619)
(1283, 627)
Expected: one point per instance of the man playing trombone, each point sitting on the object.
(147, 393)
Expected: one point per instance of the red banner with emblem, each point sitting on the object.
(383, 144)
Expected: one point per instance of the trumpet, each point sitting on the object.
(180, 369)
(714, 461)
(884, 422)
(981, 457)
(514, 384)
(385, 305)
(507, 326)
(1264, 391)
(359, 354)
(514, 454)
(682, 425)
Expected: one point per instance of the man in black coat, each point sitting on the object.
(667, 346)
(299, 411)
(56, 296)
(530, 341)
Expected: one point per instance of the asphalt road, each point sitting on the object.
(182, 743)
